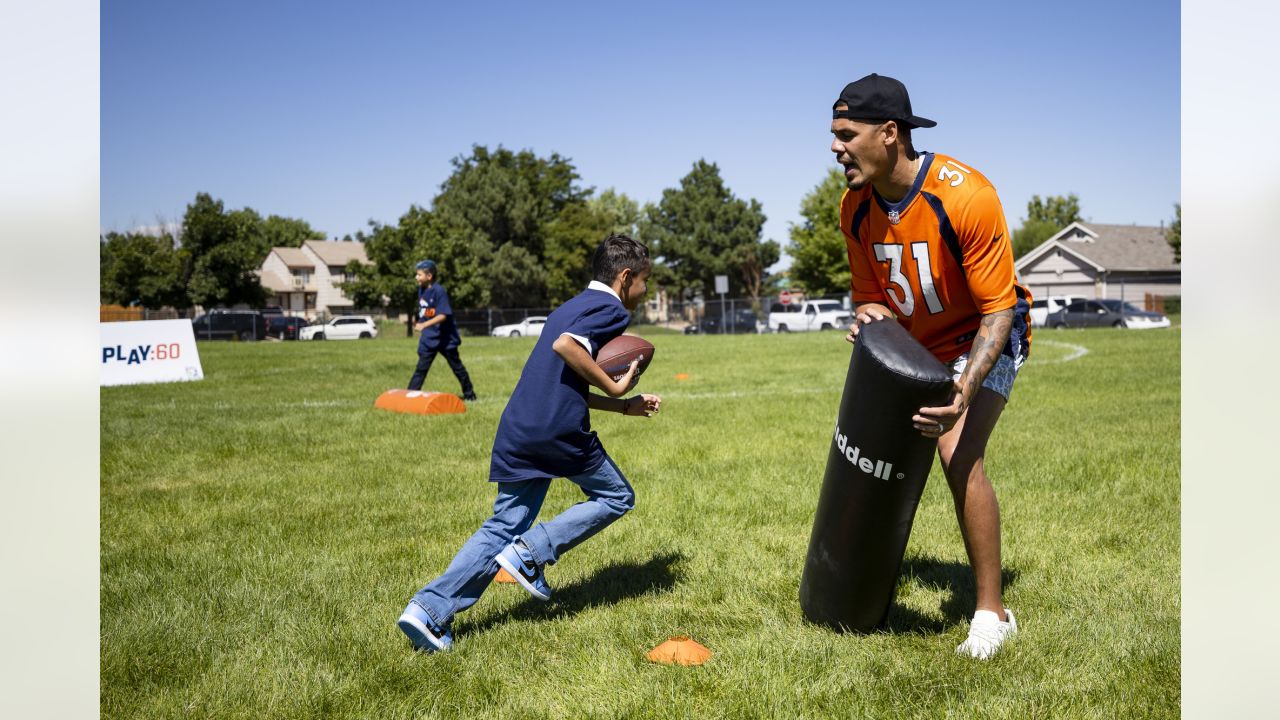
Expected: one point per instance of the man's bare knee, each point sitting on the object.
(946, 451)
(963, 469)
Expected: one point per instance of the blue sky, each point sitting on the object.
(341, 113)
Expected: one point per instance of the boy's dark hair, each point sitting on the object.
(617, 253)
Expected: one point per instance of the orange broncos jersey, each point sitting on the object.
(940, 258)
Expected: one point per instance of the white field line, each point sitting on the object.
(750, 393)
(729, 394)
(1077, 352)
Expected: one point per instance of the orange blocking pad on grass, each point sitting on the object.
(420, 403)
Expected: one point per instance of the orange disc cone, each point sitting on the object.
(680, 650)
(682, 376)
(503, 576)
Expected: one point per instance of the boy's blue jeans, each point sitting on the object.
(609, 497)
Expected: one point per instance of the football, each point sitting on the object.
(617, 354)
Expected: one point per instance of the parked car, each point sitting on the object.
(810, 315)
(285, 327)
(230, 325)
(1106, 313)
(342, 327)
(1042, 308)
(529, 327)
(742, 320)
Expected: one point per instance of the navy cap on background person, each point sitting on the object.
(427, 265)
(877, 97)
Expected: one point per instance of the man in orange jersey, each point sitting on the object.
(928, 244)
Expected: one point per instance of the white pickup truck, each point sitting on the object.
(810, 315)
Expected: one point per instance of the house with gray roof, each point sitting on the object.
(307, 281)
(1125, 262)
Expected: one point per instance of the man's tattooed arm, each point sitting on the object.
(993, 333)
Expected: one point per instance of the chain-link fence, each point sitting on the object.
(733, 315)
(1150, 292)
(483, 321)
(718, 316)
(690, 317)
(725, 316)
(116, 313)
(1162, 294)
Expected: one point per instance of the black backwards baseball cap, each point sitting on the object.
(876, 97)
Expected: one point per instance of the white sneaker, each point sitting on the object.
(987, 633)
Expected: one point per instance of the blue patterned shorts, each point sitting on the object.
(1001, 377)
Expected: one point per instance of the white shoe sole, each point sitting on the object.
(416, 624)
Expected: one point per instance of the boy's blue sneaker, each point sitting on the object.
(518, 561)
(423, 632)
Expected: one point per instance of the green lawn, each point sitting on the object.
(263, 528)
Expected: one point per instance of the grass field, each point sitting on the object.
(262, 530)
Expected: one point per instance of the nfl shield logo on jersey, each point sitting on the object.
(893, 217)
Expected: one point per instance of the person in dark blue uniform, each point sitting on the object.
(439, 331)
(545, 433)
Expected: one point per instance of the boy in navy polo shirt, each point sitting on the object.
(439, 331)
(545, 433)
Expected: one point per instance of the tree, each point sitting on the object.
(503, 225)
(1045, 218)
(289, 232)
(394, 250)
(494, 218)
(387, 281)
(515, 278)
(819, 254)
(140, 269)
(460, 252)
(572, 239)
(622, 213)
(223, 252)
(508, 197)
(216, 262)
(752, 261)
(1057, 209)
(1173, 235)
(1031, 234)
(701, 230)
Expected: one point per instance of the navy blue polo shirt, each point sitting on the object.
(545, 431)
(432, 301)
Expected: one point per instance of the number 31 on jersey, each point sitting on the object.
(892, 254)
(948, 172)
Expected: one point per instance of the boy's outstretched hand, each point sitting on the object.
(644, 405)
